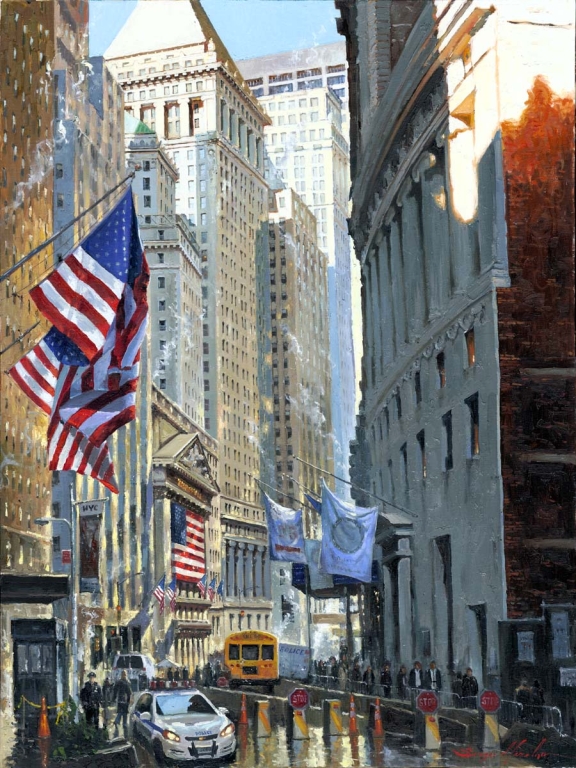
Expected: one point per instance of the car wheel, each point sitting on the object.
(159, 753)
(230, 758)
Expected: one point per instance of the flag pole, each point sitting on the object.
(55, 236)
(304, 487)
(357, 487)
(19, 338)
(280, 491)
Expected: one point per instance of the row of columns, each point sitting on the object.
(397, 608)
(190, 652)
(246, 570)
(420, 257)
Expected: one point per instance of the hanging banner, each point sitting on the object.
(285, 532)
(90, 518)
(347, 537)
(318, 580)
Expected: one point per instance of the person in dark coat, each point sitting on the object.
(185, 673)
(368, 678)
(91, 700)
(416, 676)
(170, 674)
(386, 680)
(207, 675)
(456, 688)
(177, 675)
(537, 702)
(469, 689)
(433, 678)
(356, 673)
(402, 682)
(198, 675)
(123, 695)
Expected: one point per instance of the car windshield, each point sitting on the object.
(136, 662)
(178, 704)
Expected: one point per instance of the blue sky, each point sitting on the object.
(247, 27)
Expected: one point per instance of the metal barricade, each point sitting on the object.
(549, 717)
(510, 712)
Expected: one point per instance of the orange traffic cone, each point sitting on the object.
(353, 725)
(243, 711)
(43, 727)
(378, 729)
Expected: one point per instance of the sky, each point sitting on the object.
(247, 27)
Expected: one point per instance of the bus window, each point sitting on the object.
(250, 652)
(234, 652)
(268, 652)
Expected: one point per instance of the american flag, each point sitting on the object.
(37, 375)
(171, 594)
(187, 533)
(212, 589)
(202, 585)
(81, 298)
(159, 593)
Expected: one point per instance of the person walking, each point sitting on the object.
(469, 689)
(91, 699)
(456, 688)
(123, 695)
(433, 678)
(107, 699)
(402, 682)
(368, 678)
(198, 675)
(185, 673)
(416, 677)
(386, 680)
(356, 677)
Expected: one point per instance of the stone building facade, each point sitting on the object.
(466, 379)
(183, 81)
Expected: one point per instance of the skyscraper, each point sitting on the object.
(305, 94)
(178, 77)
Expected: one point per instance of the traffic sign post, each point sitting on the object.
(299, 698)
(490, 704)
(428, 731)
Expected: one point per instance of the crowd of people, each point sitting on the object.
(94, 697)
(401, 683)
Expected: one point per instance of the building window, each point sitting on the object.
(421, 438)
(525, 646)
(146, 182)
(56, 545)
(146, 165)
(161, 282)
(474, 429)
(148, 116)
(404, 455)
(172, 121)
(162, 305)
(447, 441)
(161, 325)
(418, 387)
(59, 170)
(398, 405)
(560, 625)
(441, 368)
(391, 479)
(470, 347)
(147, 201)
(161, 257)
(162, 383)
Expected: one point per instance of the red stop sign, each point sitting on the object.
(490, 701)
(427, 702)
(299, 698)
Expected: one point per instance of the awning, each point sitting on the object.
(32, 588)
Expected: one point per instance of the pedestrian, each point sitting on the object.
(91, 699)
(107, 698)
(416, 677)
(342, 676)
(456, 688)
(170, 674)
(122, 694)
(177, 675)
(356, 676)
(537, 702)
(217, 670)
(469, 689)
(334, 671)
(207, 675)
(197, 675)
(368, 678)
(386, 680)
(433, 678)
(185, 673)
(523, 696)
(402, 682)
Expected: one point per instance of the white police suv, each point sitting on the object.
(182, 725)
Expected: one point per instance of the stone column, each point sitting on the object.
(397, 274)
(413, 258)
(437, 237)
(258, 571)
(404, 592)
(231, 547)
(240, 568)
(376, 309)
(266, 573)
(388, 612)
(369, 316)
(249, 567)
(223, 569)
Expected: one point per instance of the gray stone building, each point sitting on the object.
(453, 333)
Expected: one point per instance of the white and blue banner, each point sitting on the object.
(347, 537)
(318, 580)
(285, 532)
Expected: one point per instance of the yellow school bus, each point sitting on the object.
(251, 658)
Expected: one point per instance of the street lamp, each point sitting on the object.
(73, 591)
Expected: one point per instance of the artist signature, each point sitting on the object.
(523, 749)
(469, 753)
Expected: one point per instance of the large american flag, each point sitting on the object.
(37, 375)
(187, 533)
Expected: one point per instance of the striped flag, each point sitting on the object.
(82, 296)
(37, 375)
(187, 534)
(220, 590)
(159, 593)
(202, 585)
(212, 589)
(171, 594)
